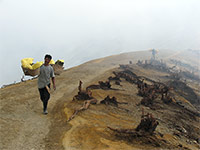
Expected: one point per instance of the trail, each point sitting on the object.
(23, 126)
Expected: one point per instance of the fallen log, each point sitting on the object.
(85, 106)
(111, 101)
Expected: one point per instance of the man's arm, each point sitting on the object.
(53, 81)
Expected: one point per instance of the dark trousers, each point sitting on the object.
(44, 96)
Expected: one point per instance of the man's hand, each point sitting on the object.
(54, 87)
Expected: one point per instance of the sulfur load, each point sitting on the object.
(32, 69)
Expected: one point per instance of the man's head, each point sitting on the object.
(47, 59)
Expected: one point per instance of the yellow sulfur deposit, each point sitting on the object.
(37, 65)
(52, 62)
(27, 62)
(61, 60)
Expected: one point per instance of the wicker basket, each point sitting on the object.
(29, 72)
(58, 69)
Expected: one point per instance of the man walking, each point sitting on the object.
(46, 72)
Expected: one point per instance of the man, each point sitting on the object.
(46, 72)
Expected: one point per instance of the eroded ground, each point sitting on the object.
(23, 126)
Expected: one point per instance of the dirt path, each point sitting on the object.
(23, 126)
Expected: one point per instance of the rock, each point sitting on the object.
(188, 141)
(184, 130)
(180, 145)
(195, 142)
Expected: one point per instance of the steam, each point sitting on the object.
(81, 30)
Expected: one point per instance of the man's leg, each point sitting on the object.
(45, 105)
(44, 96)
(45, 101)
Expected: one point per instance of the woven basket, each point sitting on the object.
(58, 69)
(29, 72)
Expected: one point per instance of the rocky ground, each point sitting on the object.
(23, 126)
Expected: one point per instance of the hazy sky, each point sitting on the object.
(81, 30)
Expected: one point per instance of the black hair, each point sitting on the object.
(48, 56)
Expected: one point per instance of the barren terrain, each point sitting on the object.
(24, 127)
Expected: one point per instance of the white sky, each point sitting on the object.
(81, 30)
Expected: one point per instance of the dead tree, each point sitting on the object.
(102, 85)
(166, 98)
(80, 86)
(141, 92)
(124, 66)
(111, 101)
(106, 101)
(139, 62)
(147, 124)
(85, 106)
(140, 83)
(165, 90)
(115, 78)
(93, 87)
(117, 83)
(146, 101)
(123, 131)
(83, 95)
(105, 85)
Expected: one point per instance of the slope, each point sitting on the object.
(24, 127)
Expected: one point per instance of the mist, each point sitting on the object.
(81, 30)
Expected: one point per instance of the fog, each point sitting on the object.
(81, 30)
